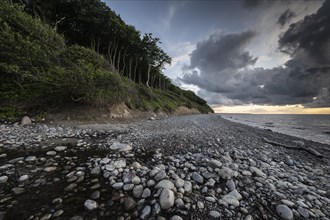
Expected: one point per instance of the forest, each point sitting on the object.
(80, 51)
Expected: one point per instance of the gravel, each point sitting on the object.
(182, 167)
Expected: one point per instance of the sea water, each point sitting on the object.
(310, 127)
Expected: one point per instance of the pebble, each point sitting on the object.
(129, 203)
(51, 153)
(303, 212)
(214, 215)
(246, 173)
(70, 187)
(166, 199)
(23, 178)
(284, 212)
(165, 184)
(146, 193)
(248, 217)
(17, 190)
(176, 217)
(235, 194)
(3, 179)
(95, 195)
(58, 213)
(230, 185)
(200, 205)
(46, 216)
(287, 202)
(118, 185)
(145, 212)
(225, 173)
(231, 200)
(257, 172)
(197, 177)
(136, 180)
(121, 147)
(50, 169)
(137, 191)
(128, 187)
(95, 171)
(160, 175)
(187, 186)
(179, 182)
(136, 165)
(90, 205)
(60, 148)
(214, 163)
(119, 164)
(31, 159)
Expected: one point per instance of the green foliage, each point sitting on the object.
(39, 71)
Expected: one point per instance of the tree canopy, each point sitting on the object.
(91, 23)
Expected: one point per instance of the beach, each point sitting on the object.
(177, 167)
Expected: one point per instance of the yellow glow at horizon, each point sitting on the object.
(270, 109)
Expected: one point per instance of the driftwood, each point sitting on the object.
(307, 149)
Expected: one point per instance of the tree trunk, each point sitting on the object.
(118, 63)
(148, 74)
(124, 58)
(135, 68)
(130, 68)
(114, 56)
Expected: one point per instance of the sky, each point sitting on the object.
(251, 56)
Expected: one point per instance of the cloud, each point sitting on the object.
(285, 17)
(171, 12)
(216, 58)
(309, 38)
(221, 67)
(221, 51)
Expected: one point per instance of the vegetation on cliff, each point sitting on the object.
(53, 53)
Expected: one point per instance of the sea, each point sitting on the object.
(310, 127)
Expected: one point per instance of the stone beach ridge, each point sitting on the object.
(181, 167)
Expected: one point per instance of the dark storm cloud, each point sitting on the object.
(218, 67)
(286, 17)
(216, 58)
(222, 51)
(309, 38)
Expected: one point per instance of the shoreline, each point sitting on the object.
(180, 167)
(293, 131)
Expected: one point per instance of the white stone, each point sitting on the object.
(90, 205)
(257, 171)
(26, 121)
(136, 180)
(23, 178)
(51, 153)
(214, 215)
(165, 184)
(179, 183)
(60, 148)
(120, 164)
(231, 200)
(3, 179)
(166, 199)
(121, 147)
(235, 194)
